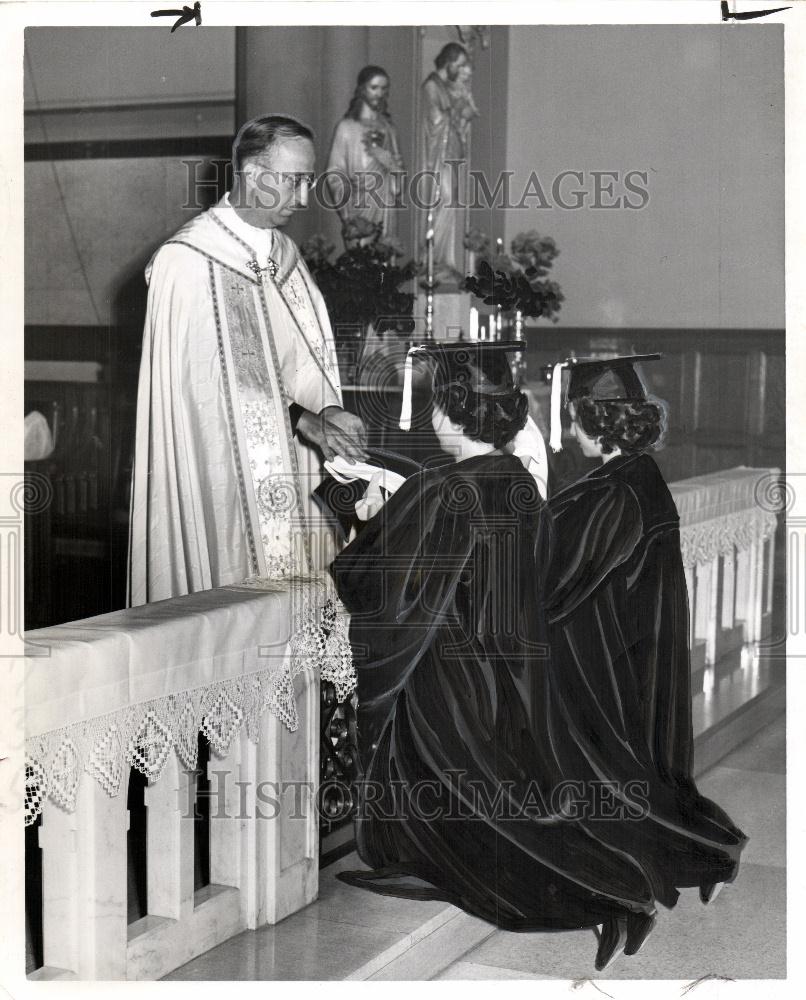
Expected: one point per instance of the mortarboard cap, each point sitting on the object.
(482, 366)
(607, 380)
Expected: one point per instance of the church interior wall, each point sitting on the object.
(93, 220)
(87, 67)
(700, 110)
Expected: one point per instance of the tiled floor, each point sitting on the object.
(741, 934)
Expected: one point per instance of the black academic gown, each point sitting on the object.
(464, 797)
(617, 609)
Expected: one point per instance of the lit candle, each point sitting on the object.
(518, 324)
(483, 332)
(499, 245)
(474, 323)
(499, 322)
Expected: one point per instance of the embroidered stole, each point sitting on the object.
(265, 459)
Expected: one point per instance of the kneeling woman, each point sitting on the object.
(464, 797)
(617, 609)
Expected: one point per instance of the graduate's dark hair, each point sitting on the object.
(449, 54)
(257, 136)
(357, 100)
(630, 426)
(492, 418)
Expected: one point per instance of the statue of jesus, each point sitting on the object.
(365, 163)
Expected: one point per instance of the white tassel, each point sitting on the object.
(556, 435)
(405, 406)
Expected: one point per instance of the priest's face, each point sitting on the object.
(280, 181)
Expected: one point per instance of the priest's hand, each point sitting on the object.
(335, 432)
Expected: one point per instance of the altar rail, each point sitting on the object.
(727, 528)
(134, 689)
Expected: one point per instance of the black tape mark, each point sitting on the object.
(748, 15)
(185, 15)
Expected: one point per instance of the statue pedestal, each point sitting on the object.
(451, 315)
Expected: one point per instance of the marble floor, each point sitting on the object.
(352, 934)
(741, 934)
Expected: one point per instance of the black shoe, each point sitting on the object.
(708, 893)
(612, 939)
(639, 927)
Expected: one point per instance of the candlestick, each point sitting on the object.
(518, 324)
(499, 323)
(429, 248)
(482, 332)
(429, 313)
(474, 323)
(429, 277)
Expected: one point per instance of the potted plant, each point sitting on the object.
(515, 283)
(362, 286)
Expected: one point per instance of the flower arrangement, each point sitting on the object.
(516, 281)
(362, 285)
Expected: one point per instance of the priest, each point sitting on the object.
(239, 394)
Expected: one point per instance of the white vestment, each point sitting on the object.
(221, 488)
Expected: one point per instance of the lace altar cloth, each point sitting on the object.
(732, 508)
(124, 689)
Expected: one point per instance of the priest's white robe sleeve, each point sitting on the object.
(304, 379)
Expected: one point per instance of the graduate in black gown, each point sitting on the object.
(524, 711)
(617, 609)
(463, 796)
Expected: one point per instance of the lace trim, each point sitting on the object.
(143, 736)
(702, 543)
